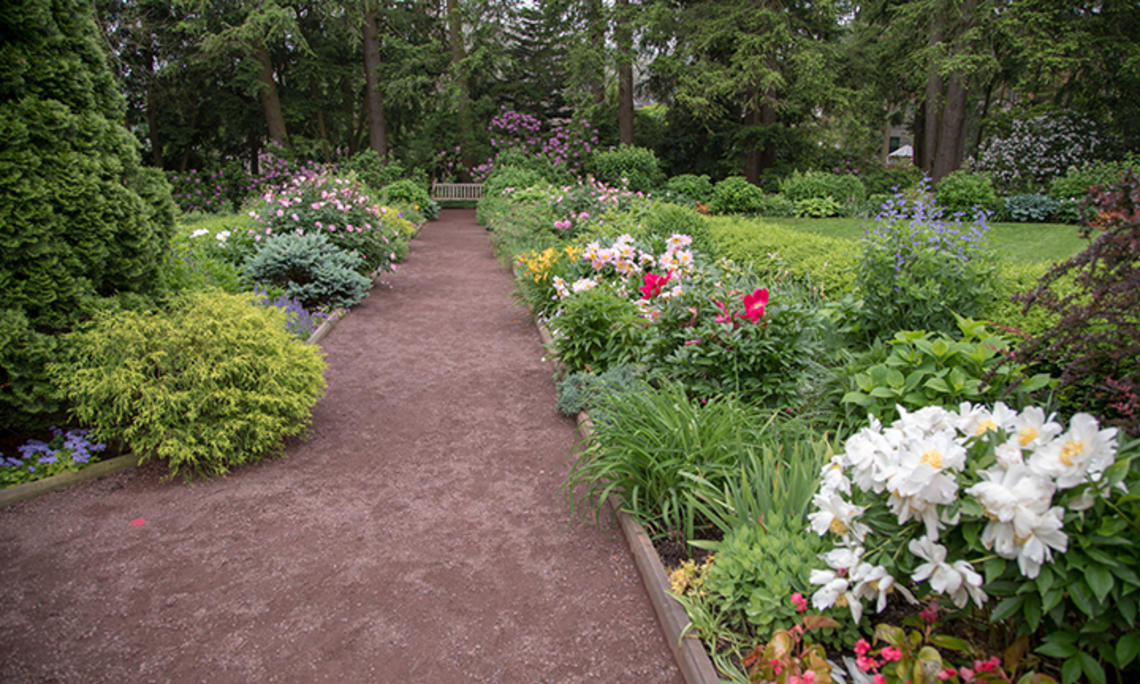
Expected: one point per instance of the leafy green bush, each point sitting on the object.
(627, 166)
(83, 219)
(918, 272)
(916, 369)
(209, 385)
(1035, 208)
(777, 205)
(816, 207)
(757, 567)
(412, 194)
(663, 220)
(596, 330)
(778, 253)
(737, 340)
(690, 189)
(310, 268)
(888, 180)
(1078, 181)
(735, 195)
(516, 177)
(962, 191)
(378, 172)
(844, 188)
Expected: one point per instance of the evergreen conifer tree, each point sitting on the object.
(80, 218)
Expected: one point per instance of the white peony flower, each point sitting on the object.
(1022, 525)
(959, 581)
(1033, 429)
(836, 514)
(1082, 453)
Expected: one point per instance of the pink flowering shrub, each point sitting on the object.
(339, 210)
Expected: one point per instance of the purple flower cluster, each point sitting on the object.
(224, 189)
(561, 145)
(300, 322)
(72, 444)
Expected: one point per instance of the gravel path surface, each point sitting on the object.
(419, 534)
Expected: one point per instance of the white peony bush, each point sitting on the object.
(904, 503)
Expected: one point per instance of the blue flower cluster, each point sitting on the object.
(72, 444)
(300, 322)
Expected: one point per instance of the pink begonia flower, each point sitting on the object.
(295, 217)
(800, 601)
(138, 522)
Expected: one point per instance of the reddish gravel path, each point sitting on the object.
(419, 535)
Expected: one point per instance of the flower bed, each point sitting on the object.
(721, 395)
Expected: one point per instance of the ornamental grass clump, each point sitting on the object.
(918, 268)
(212, 384)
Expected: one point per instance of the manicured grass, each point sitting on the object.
(1020, 242)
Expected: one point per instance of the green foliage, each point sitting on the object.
(703, 341)
(516, 177)
(1079, 181)
(844, 188)
(1036, 208)
(735, 195)
(916, 369)
(918, 272)
(777, 205)
(377, 172)
(689, 189)
(579, 390)
(1086, 601)
(648, 443)
(635, 168)
(962, 191)
(310, 268)
(406, 192)
(816, 207)
(828, 264)
(663, 220)
(597, 329)
(209, 385)
(887, 180)
(82, 218)
(757, 567)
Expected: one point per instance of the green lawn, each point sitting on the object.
(1024, 242)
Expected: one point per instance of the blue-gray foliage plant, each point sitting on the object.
(919, 267)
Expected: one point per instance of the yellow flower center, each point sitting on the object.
(838, 527)
(985, 426)
(1027, 434)
(1071, 449)
(933, 458)
(841, 601)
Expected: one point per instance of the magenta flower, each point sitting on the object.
(754, 304)
(653, 284)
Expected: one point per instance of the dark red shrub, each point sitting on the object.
(1095, 344)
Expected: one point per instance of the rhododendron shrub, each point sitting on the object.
(336, 208)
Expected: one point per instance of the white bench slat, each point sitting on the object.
(446, 192)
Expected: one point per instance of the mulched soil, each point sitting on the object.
(419, 534)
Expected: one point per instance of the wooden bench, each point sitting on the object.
(456, 192)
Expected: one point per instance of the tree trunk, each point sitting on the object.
(623, 36)
(377, 130)
(315, 93)
(951, 139)
(269, 100)
(458, 54)
(750, 161)
(933, 105)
